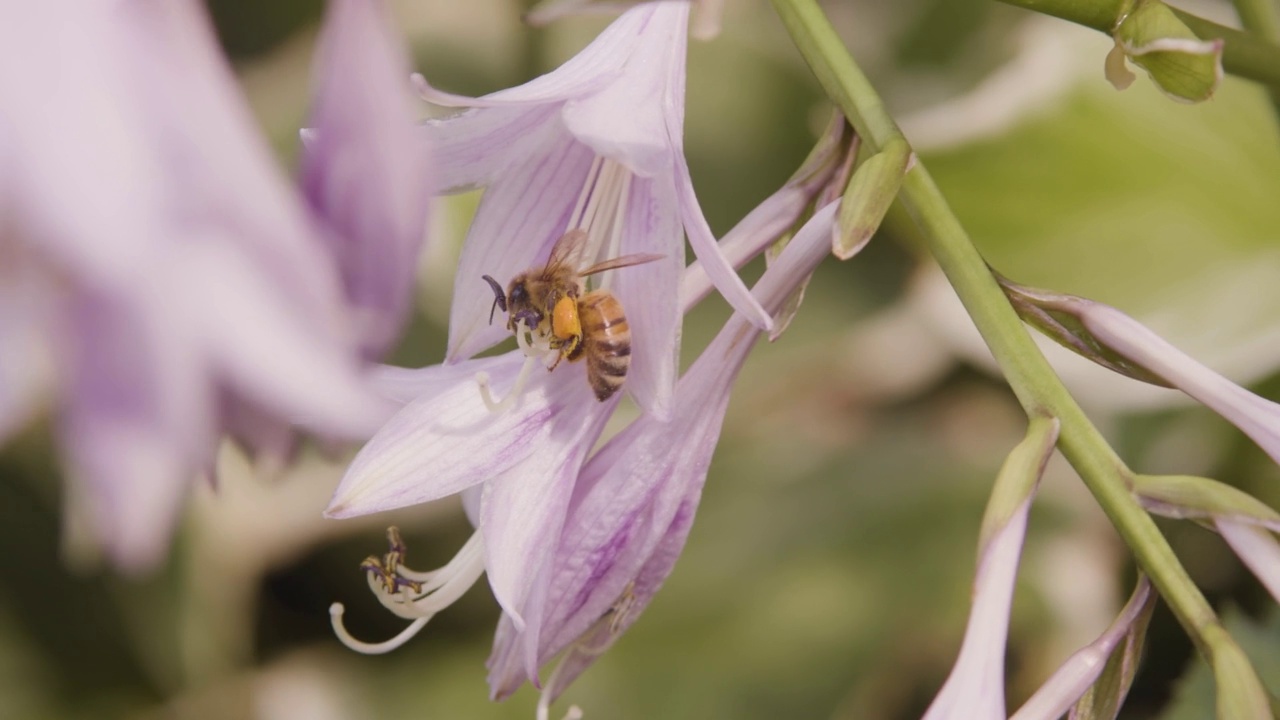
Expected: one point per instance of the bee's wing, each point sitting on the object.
(567, 252)
(621, 262)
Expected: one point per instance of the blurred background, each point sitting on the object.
(829, 572)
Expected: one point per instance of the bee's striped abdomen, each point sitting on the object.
(606, 342)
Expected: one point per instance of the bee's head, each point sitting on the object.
(521, 306)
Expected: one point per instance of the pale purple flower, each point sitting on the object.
(595, 145)
(975, 688)
(1081, 671)
(635, 500)
(1257, 548)
(705, 25)
(1256, 417)
(515, 462)
(447, 439)
(155, 259)
(365, 168)
(1246, 523)
(1118, 342)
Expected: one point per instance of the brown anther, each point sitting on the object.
(387, 568)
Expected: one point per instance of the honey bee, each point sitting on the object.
(551, 303)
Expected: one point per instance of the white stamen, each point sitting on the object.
(535, 348)
(614, 244)
(497, 406)
(575, 218)
(335, 619)
(544, 699)
(600, 209)
(441, 588)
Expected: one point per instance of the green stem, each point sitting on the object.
(1261, 18)
(1028, 373)
(1243, 54)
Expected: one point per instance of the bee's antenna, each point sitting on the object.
(499, 297)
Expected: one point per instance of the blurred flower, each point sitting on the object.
(635, 500)
(595, 145)
(158, 257)
(365, 167)
(975, 688)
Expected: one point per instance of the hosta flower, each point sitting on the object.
(158, 257)
(364, 168)
(975, 688)
(1116, 650)
(635, 500)
(596, 145)
(1245, 523)
(1257, 548)
(517, 466)
(1116, 341)
(446, 439)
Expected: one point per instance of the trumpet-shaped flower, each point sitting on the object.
(364, 168)
(1081, 671)
(635, 500)
(595, 146)
(1116, 341)
(517, 463)
(1256, 417)
(157, 257)
(975, 688)
(447, 439)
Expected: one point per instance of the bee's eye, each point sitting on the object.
(518, 295)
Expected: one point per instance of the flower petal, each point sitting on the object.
(650, 294)
(975, 688)
(404, 385)
(1080, 671)
(442, 442)
(365, 172)
(591, 68)
(208, 144)
(256, 339)
(520, 217)
(626, 120)
(522, 510)
(1257, 549)
(93, 230)
(713, 261)
(476, 147)
(136, 425)
(1255, 416)
(446, 442)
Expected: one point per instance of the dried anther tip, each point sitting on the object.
(387, 568)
